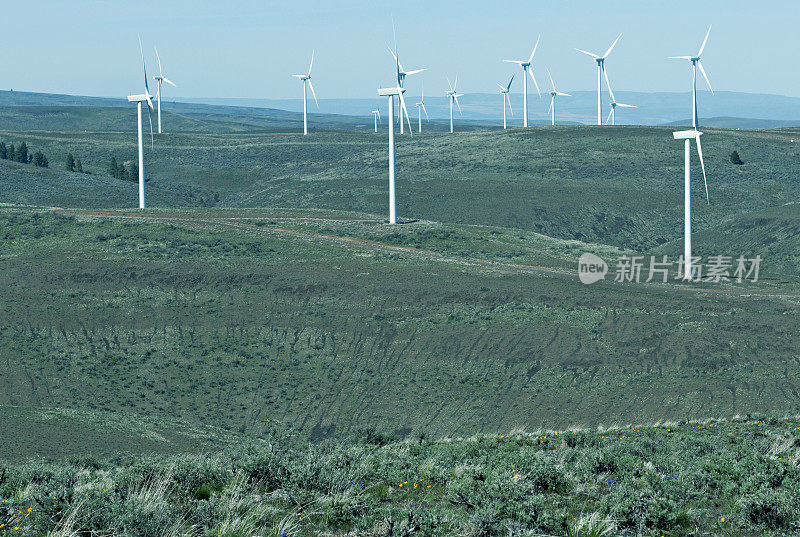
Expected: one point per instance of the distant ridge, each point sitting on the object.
(480, 109)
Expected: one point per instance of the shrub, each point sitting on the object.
(735, 159)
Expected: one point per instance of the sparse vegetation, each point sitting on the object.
(734, 478)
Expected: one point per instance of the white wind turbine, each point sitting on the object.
(139, 99)
(612, 115)
(421, 108)
(695, 64)
(453, 96)
(401, 75)
(687, 136)
(601, 71)
(390, 93)
(376, 114)
(160, 79)
(526, 67)
(504, 91)
(553, 95)
(306, 79)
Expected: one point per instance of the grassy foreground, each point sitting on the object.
(695, 478)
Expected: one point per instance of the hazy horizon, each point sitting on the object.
(249, 49)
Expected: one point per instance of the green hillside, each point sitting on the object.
(228, 318)
(619, 186)
(60, 433)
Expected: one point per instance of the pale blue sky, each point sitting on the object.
(248, 48)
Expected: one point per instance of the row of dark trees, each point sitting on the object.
(119, 171)
(22, 155)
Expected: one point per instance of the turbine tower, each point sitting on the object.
(139, 99)
(401, 77)
(421, 108)
(695, 64)
(526, 67)
(453, 96)
(160, 79)
(377, 116)
(601, 72)
(553, 95)
(390, 93)
(504, 91)
(306, 79)
(687, 136)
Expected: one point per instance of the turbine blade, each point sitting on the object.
(168, 81)
(588, 53)
(448, 83)
(414, 72)
(608, 119)
(519, 62)
(608, 84)
(508, 88)
(702, 164)
(534, 48)
(703, 46)
(458, 105)
(626, 105)
(391, 52)
(424, 110)
(502, 89)
(144, 69)
(551, 80)
(310, 85)
(509, 104)
(150, 117)
(563, 94)
(700, 65)
(403, 103)
(455, 84)
(614, 44)
(160, 70)
(530, 72)
(310, 65)
(679, 57)
(552, 101)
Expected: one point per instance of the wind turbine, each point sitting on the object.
(160, 79)
(377, 116)
(421, 108)
(453, 96)
(612, 115)
(401, 75)
(601, 71)
(695, 64)
(306, 79)
(687, 136)
(390, 93)
(139, 99)
(504, 91)
(553, 95)
(526, 67)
